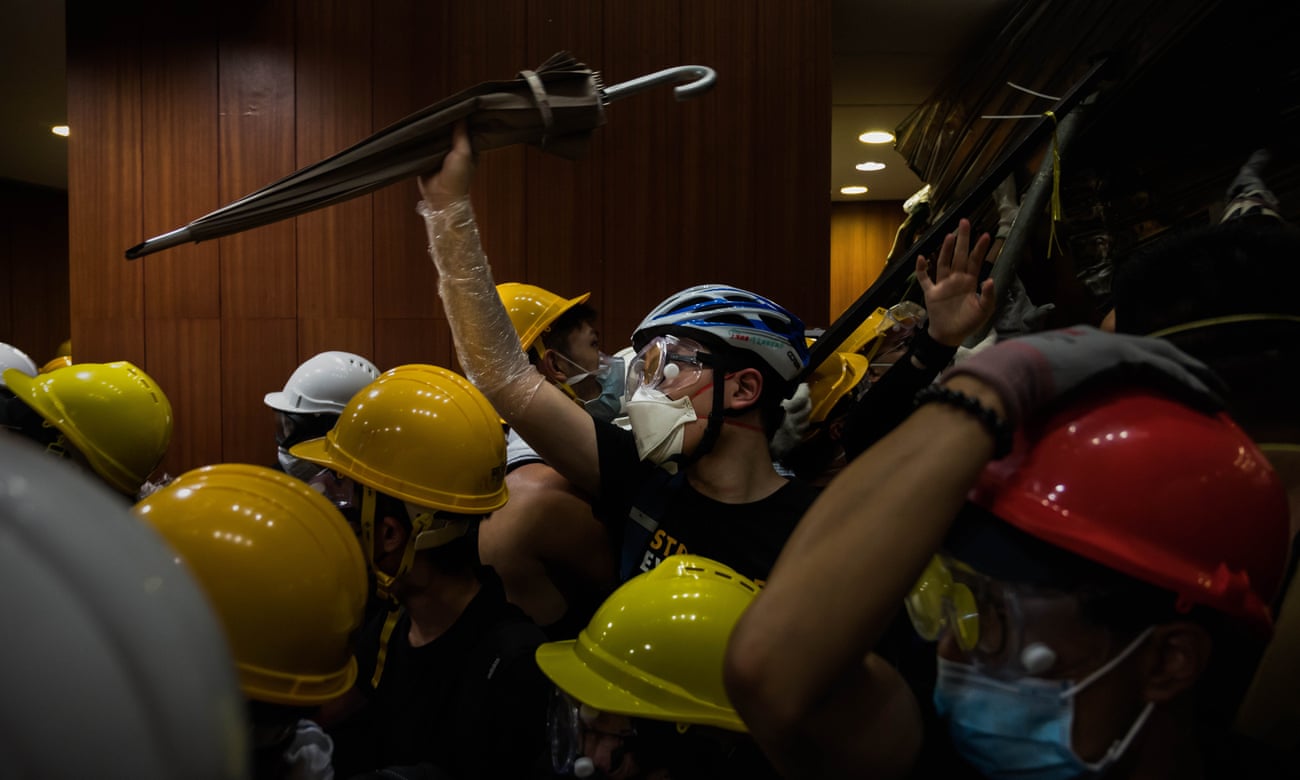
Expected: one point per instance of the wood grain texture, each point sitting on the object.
(178, 103)
(414, 340)
(791, 149)
(564, 235)
(258, 356)
(729, 187)
(333, 82)
(185, 361)
(259, 276)
(409, 74)
(104, 168)
(642, 167)
(861, 236)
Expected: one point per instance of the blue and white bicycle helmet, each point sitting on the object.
(725, 317)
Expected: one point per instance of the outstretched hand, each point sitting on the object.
(450, 183)
(956, 302)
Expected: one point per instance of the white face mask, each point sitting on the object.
(658, 423)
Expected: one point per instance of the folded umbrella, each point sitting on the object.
(555, 108)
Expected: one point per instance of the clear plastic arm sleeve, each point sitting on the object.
(486, 341)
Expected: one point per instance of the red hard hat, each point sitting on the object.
(1155, 490)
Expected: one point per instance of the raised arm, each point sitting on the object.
(799, 668)
(486, 342)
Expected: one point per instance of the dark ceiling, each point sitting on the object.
(33, 92)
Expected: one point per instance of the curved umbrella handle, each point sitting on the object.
(701, 80)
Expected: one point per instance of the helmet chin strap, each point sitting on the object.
(717, 415)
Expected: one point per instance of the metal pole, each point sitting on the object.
(1031, 208)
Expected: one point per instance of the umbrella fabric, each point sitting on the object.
(555, 108)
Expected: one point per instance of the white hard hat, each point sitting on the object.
(13, 357)
(119, 667)
(324, 383)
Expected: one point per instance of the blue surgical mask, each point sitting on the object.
(612, 375)
(1021, 728)
(609, 404)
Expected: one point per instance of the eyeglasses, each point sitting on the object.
(340, 491)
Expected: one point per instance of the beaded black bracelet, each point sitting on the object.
(997, 427)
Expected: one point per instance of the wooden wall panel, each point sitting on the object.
(489, 44)
(410, 55)
(564, 233)
(185, 361)
(34, 313)
(719, 202)
(861, 235)
(259, 277)
(670, 194)
(642, 168)
(259, 355)
(792, 94)
(414, 340)
(350, 334)
(335, 268)
(104, 165)
(179, 166)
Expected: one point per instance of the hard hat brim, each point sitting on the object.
(559, 661)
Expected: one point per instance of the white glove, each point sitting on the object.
(798, 408)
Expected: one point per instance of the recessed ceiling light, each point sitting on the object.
(60, 130)
(870, 166)
(877, 137)
(855, 190)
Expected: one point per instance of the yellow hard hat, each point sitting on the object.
(282, 570)
(533, 309)
(655, 648)
(837, 376)
(62, 361)
(113, 413)
(422, 434)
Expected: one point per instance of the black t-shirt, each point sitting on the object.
(746, 537)
(471, 703)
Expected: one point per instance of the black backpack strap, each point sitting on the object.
(646, 513)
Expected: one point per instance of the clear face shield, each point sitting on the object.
(586, 742)
(665, 364)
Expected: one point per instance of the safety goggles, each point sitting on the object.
(1007, 628)
(576, 733)
(294, 427)
(340, 491)
(667, 363)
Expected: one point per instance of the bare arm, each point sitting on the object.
(486, 342)
(829, 708)
(817, 708)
